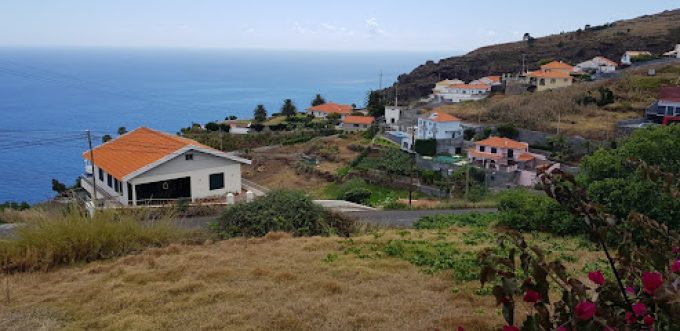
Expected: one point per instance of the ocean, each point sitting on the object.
(50, 96)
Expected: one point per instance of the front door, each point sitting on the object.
(164, 190)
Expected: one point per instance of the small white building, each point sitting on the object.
(392, 114)
(146, 166)
(462, 92)
(322, 111)
(488, 80)
(598, 64)
(627, 58)
(439, 126)
(441, 86)
(675, 53)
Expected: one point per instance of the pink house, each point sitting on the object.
(503, 154)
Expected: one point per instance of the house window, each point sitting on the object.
(493, 150)
(217, 181)
(481, 148)
(115, 185)
(356, 125)
(109, 180)
(101, 174)
(553, 81)
(189, 156)
(511, 153)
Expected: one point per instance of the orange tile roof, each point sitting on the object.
(502, 143)
(525, 157)
(471, 86)
(606, 60)
(331, 107)
(494, 79)
(557, 65)
(443, 117)
(359, 120)
(136, 149)
(475, 153)
(550, 74)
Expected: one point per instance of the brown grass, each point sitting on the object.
(270, 283)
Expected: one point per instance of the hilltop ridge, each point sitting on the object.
(657, 33)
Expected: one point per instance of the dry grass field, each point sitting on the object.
(271, 283)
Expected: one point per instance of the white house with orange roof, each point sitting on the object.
(598, 64)
(322, 111)
(555, 74)
(439, 126)
(629, 56)
(461, 92)
(503, 154)
(146, 166)
(441, 86)
(356, 123)
(488, 80)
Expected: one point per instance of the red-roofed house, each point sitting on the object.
(322, 111)
(356, 123)
(598, 64)
(461, 92)
(551, 76)
(503, 154)
(666, 107)
(488, 80)
(149, 166)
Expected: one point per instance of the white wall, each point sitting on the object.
(199, 169)
(438, 130)
(392, 115)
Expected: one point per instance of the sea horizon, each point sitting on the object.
(51, 95)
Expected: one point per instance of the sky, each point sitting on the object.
(344, 25)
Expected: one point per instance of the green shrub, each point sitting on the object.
(446, 221)
(525, 211)
(287, 211)
(426, 147)
(43, 244)
(507, 131)
(436, 257)
(358, 195)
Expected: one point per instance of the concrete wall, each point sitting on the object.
(353, 127)
(199, 169)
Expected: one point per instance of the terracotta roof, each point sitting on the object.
(550, 74)
(557, 65)
(502, 143)
(471, 86)
(670, 93)
(443, 117)
(494, 79)
(475, 153)
(359, 120)
(525, 157)
(332, 107)
(635, 53)
(136, 149)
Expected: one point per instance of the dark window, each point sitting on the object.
(493, 150)
(189, 157)
(116, 185)
(101, 174)
(109, 180)
(481, 148)
(511, 153)
(217, 181)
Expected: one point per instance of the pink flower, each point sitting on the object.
(510, 328)
(585, 310)
(639, 308)
(460, 328)
(651, 281)
(675, 250)
(648, 320)
(631, 290)
(676, 266)
(630, 318)
(596, 277)
(532, 296)
(562, 328)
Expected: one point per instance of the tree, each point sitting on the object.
(318, 100)
(507, 131)
(106, 138)
(230, 118)
(212, 126)
(122, 130)
(58, 186)
(260, 114)
(612, 181)
(375, 103)
(288, 109)
(333, 118)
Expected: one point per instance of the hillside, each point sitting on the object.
(657, 33)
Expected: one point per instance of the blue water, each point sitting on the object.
(48, 97)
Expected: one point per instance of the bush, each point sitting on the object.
(426, 147)
(357, 195)
(525, 211)
(49, 242)
(507, 131)
(286, 211)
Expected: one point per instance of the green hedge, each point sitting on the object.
(525, 211)
(426, 147)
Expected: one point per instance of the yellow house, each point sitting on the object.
(551, 76)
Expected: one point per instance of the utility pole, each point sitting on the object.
(220, 134)
(467, 181)
(380, 81)
(94, 175)
(413, 165)
(523, 66)
(558, 122)
(396, 94)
